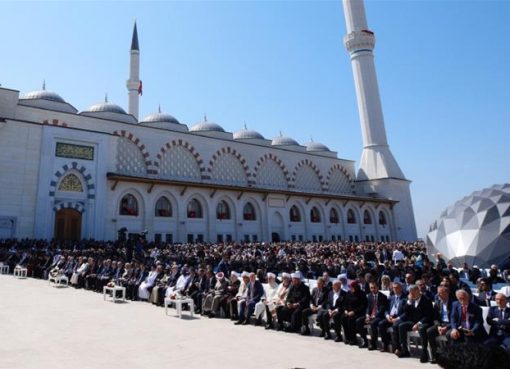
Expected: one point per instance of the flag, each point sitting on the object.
(140, 90)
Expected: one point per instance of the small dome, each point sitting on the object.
(42, 95)
(316, 147)
(284, 141)
(206, 126)
(160, 117)
(105, 107)
(246, 134)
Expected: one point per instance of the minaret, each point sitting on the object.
(133, 83)
(378, 172)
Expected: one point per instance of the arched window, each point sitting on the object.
(367, 218)
(249, 212)
(128, 205)
(382, 219)
(315, 216)
(351, 217)
(222, 210)
(194, 209)
(333, 216)
(163, 207)
(294, 214)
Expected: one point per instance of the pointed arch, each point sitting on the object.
(82, 173)
(225, 166)
(303, 179)
(141, 147)
(339, 180)
(263, 177)
(188, 163)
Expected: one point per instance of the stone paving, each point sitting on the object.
(43, 327)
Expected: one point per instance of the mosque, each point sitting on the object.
(97, 173)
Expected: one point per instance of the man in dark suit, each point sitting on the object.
(376, 307)
(499, 320)
(332, 308)
(442, 311)
(466, 321)
(418, 316)
(247, 307)
(297, 300)
(395, 309)
(319, 296)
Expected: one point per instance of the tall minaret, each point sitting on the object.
(378, 172)
(133, 83)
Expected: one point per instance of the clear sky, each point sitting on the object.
(443, 69)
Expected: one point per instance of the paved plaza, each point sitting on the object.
(44, 327)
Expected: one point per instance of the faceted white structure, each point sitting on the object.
(476, 229)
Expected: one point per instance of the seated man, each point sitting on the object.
(442, 311)
(318, 298)
(145, 288)
(241, 296)
(332, 308)
(418, 316)
(376, 309)
(253, 296)
(232, 289)
(499, 320)
(466, 321)
(269, 293)
(485, 293)
(278, 301)
(298, 299)
(396, 304)
(211, 305)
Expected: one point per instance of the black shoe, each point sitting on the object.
(322, 334)
(372, 347)
(212, 315)
(402, 354)
(279, 327)
(338, 339)
(424, 357)
(433, 360)
(327, 336)
(245, 322)
(268, 326)
(239, 322)
(258, 321)
(363, 345)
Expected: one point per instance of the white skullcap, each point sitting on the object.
(296, 275)
(285, 275)
(245, 274)
(271, 275)
(342, 276)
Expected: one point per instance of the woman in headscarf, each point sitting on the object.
(355, 307)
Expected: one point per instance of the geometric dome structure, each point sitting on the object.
(475, 230)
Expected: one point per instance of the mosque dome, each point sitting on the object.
(283, 141)
(247, 134)
(476, 229)
(105, 107)
(42, 95)
(316, 147)
(206, 126)
(160, 117)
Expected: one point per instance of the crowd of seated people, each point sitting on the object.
(369, 290)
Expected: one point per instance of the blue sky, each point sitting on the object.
(443, 69)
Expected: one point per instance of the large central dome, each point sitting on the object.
(476, 229)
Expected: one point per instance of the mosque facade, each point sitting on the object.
(103, 172)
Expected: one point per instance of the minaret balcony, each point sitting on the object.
(363, 40)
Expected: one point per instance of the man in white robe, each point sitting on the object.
(146, 286)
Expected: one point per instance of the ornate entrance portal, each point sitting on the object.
(67, 225)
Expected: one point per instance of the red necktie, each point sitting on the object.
(464, 313)
(374, 308)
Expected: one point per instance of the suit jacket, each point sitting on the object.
(399, 302)
(498, 325)
(255, 291)
(474, 317)
(319, 297)
(338, 304)
(438, 310)
(381, 305)
(423, 312)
